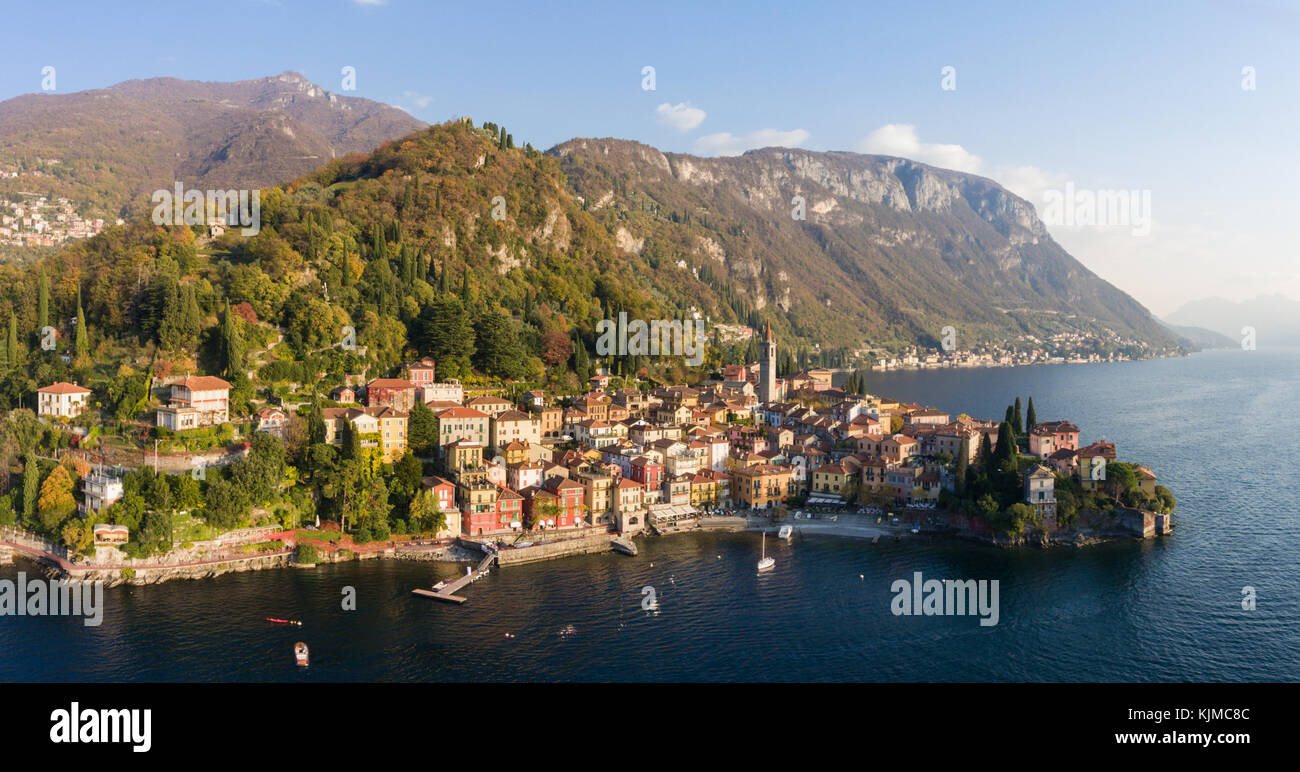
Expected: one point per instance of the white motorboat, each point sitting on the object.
(786, 532)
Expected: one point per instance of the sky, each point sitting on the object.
(1183, 113)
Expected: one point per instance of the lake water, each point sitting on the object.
(1220, 429)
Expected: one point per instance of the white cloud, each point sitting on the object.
(1179, 257)
(901, 139)
(1030, 182)
(417, 99)
(725, 143)
(680, 116)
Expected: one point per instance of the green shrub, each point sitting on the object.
(307, 554)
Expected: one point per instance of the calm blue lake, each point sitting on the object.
(1219, 428)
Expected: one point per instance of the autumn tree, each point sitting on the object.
(56, 502)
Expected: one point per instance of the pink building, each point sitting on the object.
(1047, 438)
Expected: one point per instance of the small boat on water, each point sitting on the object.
(300, 653)
(275, 621)
(764, 562)
(786, 532)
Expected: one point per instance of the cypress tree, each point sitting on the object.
(1006, 445)
(191, 319)
(963, 455)
(31, 488)
(232, 345)
(986, 452)
(580, 361)
(464, 288)
(14, 357)
(83, 335)
(315, 423)
(1017, 422)
(43, 302)
(1031, 417)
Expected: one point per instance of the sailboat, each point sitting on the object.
(764, 562)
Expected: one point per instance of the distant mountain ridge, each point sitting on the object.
(116, 145)
(1275, 318)
(889, 250)
(1200, 337)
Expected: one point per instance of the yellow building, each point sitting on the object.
(1092, 464)
(761, 486)
(834, 480)
(380, 428)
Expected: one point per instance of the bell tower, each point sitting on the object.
(767, 367)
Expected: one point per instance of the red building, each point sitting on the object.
(396, 393)
(510, 509)
(556, 504)
(444, 491)
(648, 472)
(419, 373)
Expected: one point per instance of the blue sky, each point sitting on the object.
(1104, 96)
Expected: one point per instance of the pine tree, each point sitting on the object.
(422, 435)
(1031, 417)
(444, 332)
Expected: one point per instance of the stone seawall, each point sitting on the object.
(585, 545)
(113, 576)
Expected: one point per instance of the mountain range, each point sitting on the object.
(1275, 318)
(834, 248)
(870, 248)
(114, 146)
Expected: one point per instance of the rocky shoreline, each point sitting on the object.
(844, 525)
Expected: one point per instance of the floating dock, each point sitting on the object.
(446, 591)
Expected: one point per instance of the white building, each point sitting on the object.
(101, 490)
(448, 391)
(62, 400)
(197, 400)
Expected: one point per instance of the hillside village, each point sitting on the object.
(622, 457)
(385, 361)
(37, 221)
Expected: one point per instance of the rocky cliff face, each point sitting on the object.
(869, 248)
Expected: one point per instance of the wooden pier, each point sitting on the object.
(446, 591)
